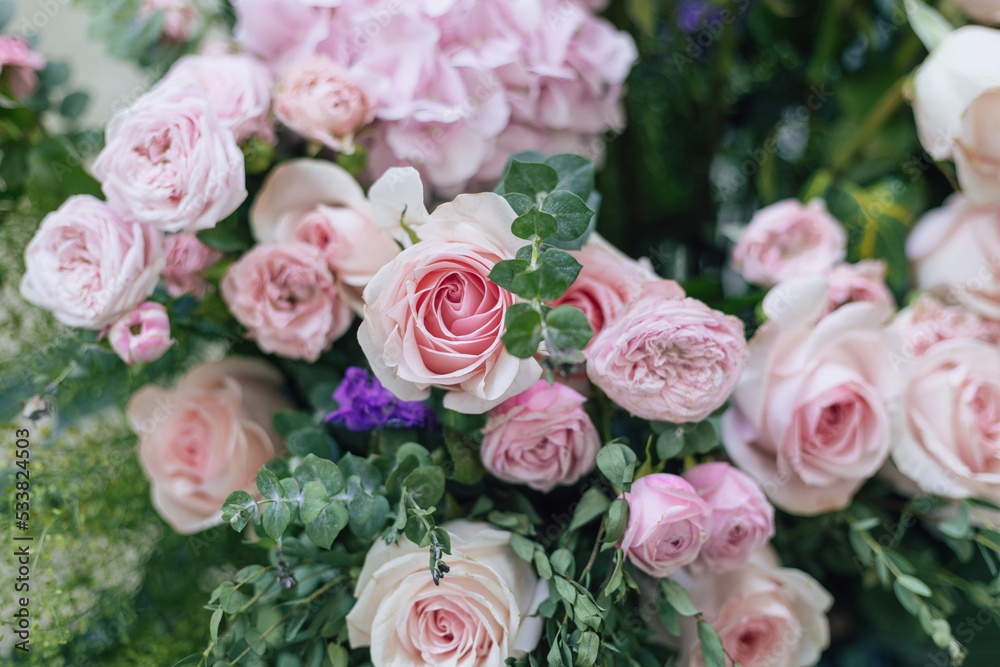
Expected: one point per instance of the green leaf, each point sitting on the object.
(287, 421)
(542, 565)
(520, 203)
(323, 530)
(307, 441)
(913, 584)
(73, 104)
(255, 641)
(576, 174)
(213, 625)
(535, 223)
(592, 504)
(522, 546)
(711, 645)
(617, 521)
(314, 499)
(702, 437)
(586, 650)
(616, 579)
(670, 442)
(545, 283)
(505, 271)
(562, 261)
(367, 530)
(464, 453)
(562, 562)
(524, 333)
(239, 509)
(230, 599)
(570, 213)
(530, 178)
(313, 468)
(229, 235)
(866, 524)
(565, 589)
(587, 612)
(268, 484)
(906, 597)
(959, 525)
(337, 655)
(669, 617)
(677, 597)
(617, 462)
(929, 25)
(568, 328)
(425, 485)
(276, 517)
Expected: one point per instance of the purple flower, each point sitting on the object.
(365, 404)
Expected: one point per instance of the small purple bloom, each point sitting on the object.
(365, 404)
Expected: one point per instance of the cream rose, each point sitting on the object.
(481, 614)
(207, 437)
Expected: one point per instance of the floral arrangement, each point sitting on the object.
(346, 269)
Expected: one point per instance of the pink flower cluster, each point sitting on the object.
(454, 87)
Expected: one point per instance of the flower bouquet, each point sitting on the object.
(351, 270)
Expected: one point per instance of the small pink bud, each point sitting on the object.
(143, 335)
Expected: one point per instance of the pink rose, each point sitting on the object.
(181, 18)
(18, 66)
(766, 615)
(207, 437)
(319, 203)
(143, 335)
(280, 31)
(950, 444)
(187, 259)
(482, 612)
(284, 294)
(237, 87)
(809, 418)
(319, 100)
(89, 266)
(984, 11)
(668, 523)
(432, 316)
(864, 281)
(608, 281)
(954, 251)
(742, 518)
(542, 437)
(787, 240)
(170, 162)
(927, 322)
(666, 357)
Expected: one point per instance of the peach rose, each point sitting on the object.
(433, 318)
(481, 613)
(88, 265)
(187, 259)
(809, 418)
(766, 615)
(667, 357)
(207, 437)
(542, 437)
(668, 522)
(319, 203)
(285, 295)
(864, 281)
(789, 239)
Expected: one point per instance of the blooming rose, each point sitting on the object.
(742, 519)
(285, 295)
(668, 522)
(89, 266)
(237, 86)
(766, 615)
(318, 99)
(187, 258)
(143, 335)
(864, 281)
(950, 445)
(542, 437)
(18, 66)
(319, 203)
(432, 316)
(170, 162)
(481, 613)
(927, 321)
(607, 282)
(984, 11)
(809, 419)
(955, 251)
(280, 31)
(207, 437)
(786, 240)
(666, 357)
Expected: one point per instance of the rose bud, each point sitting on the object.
(143, 335)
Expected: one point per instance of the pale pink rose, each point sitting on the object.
(608, 281)
(809, 417)
(319, 100)
(143, 335)
(169, 161)
(766, 615)
(977, 152)
(667, 357)
(928, 321)
(742, 518)
(237, 85)
(864, 281)
(319, 203)
(433, 318)
(787, 240)
(984, 11)
(181, 18)
(284, 294)
(950, 445)
(187, 259)
(280, 31)
(668, 522)
(542, 437)
(89, 266)
(482, 613)
(954, 251)
(207, 437)
(19, 66)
